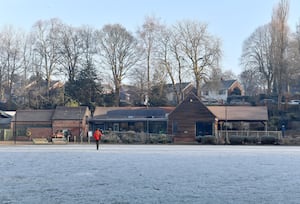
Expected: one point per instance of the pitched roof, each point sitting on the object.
(131, 112)
(240, 113)
(69, 113)
(179, 86)
(99, 110)
(226, 84)
(33, 115)
(3, 114)
(192, 106)
(222, 84)
(145, 112)
(5, 121)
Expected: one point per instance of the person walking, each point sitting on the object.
(97, 137)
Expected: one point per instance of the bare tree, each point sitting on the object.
(172, 60)
(279, 36)
(71, 50)
(11, 59)
(47, 48)
(165, 60)
(297, 35)
(257, 54)
(200, 48)
(293, 56)
(138, 79)
(89, 47)
(252, 82)
(149, 37)
(118, 52)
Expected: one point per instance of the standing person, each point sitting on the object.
(97, 136)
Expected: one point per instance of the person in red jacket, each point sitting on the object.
(97, 137)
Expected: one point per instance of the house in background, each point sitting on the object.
(71, 119)
(37, 122)
(184, 88)
(133, 96)
(5, 119)
(221, 90)
(130, 96)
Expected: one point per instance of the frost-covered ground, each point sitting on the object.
(149, 174)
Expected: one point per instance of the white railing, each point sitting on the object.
(240, 133)
(250, 133)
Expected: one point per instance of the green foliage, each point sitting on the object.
(84, 89)
(236, 140)
(108, 99)
(269, 140)
(131, 137)
(158, 96)
(250, 140)
(207, 139)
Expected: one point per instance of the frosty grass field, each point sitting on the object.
(149, 174)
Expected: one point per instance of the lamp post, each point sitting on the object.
(79, 125)
(15, 130)
(226, 132)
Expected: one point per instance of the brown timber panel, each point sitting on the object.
(186, 115)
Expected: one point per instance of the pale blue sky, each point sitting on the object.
(230, 20)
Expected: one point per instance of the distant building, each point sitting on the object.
(183, 89)
(191, 118)
(44, 123)
(138, 119)
(132, 96)
(221, 90)
(5, 119)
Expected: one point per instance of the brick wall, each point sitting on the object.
(40, 132)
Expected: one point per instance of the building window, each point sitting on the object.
(116, 127)
(174, 127)
(222, 92)
(203, 128)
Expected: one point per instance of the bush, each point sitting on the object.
(159, 139)
(208, 139)
(269, 140)
(236, 140)
(250, 140)
(131, 137)
(110, 138)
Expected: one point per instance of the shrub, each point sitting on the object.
(269, 140)
(250, 140)
(208, 139)
(111, 138)
(236, 140)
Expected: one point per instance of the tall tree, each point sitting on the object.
(200, 48)
(149, 38)
(252, 82)
(293, 56)
(47, 48)
(11, 59)
(257, 54)
(71, 50)
(118, 52)
(279, 36)
(89, 47)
